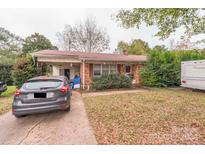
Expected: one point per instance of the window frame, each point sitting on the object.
(94, 70)
(130, 68)
(115, 69)
(101, 69)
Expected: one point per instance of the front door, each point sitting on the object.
(67, 73)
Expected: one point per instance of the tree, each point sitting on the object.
(37, 42)
(136, 47)
(67, 38)
(86, 37)
(5, 71)
(24, 69)
(122, 46)
(9, 41)
(167, 20)
(7, 58)
(159, 48)
(185, 43)
(163, 69)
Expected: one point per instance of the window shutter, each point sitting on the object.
(91, 70)
(118, 68)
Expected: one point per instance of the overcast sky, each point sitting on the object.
(48, 22)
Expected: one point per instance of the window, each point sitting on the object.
(105, 69)
(113, 69)
(97, 70)
(33, 85)
(127, 69)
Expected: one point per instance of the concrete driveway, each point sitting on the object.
(49, 128)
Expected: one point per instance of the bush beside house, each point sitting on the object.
(163, 68)
(24, 69)
(5, 73)
(7, 60)
(111, 81)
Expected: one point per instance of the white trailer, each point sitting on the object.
(193, 74)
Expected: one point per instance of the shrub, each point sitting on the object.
(24, 69)
(111, 81)
(163, 68)
(5, 73)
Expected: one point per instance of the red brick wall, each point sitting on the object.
(120, 68)
(91, 71)
(88, 76)
(136, 73)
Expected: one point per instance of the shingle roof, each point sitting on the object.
(92, 56)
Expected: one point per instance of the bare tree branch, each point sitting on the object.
(85, 37)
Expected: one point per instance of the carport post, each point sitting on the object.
(83, 74)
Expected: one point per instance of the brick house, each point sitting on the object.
(89, 65)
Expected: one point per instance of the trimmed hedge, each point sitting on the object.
(163, 68)
(111, 81)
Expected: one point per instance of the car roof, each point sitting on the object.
(62, 78)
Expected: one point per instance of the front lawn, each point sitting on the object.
(10, 90)
(6, 99)
(157, 116)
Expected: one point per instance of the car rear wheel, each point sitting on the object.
(19, 116)
(68, 108)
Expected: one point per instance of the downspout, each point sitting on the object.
(33, 58)
(83, 74)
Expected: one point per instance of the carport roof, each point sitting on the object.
(91, 56)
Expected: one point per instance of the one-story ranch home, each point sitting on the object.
(90, 64)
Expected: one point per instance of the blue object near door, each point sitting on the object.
(76, 82)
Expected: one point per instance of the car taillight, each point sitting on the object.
(64, 89)
(17, 93)
(183, 81)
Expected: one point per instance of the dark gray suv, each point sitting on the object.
(42, 94)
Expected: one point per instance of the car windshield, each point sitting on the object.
(42, 84)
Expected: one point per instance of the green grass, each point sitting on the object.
(10, 91)
(5, 104)
(6, 99)
(157, 116)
